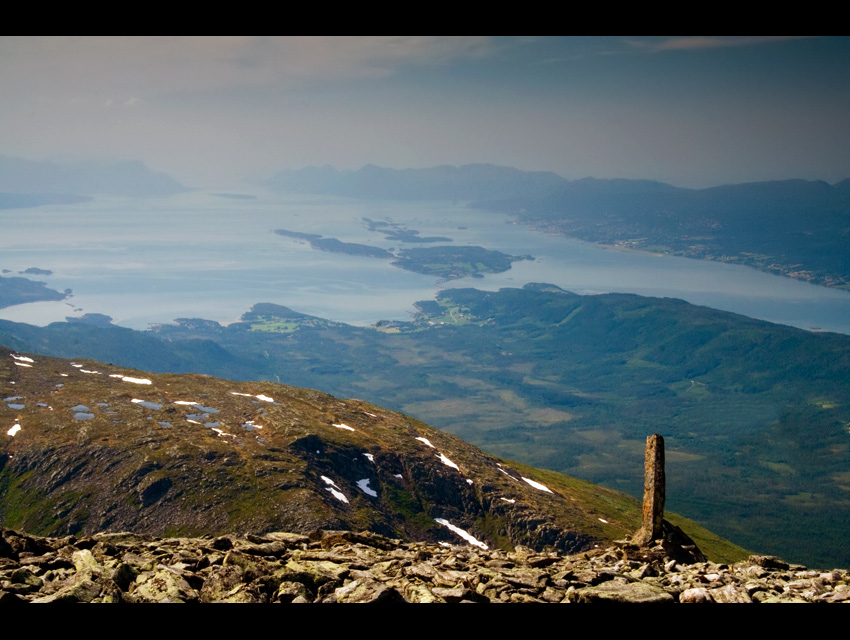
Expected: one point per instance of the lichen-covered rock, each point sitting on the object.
(345, 567)
(163, 585)
(623, 593)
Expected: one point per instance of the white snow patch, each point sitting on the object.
(603, 521)
(508, 501)
(223, 433)
(23, 358)
(95, 372)
(343, 426)
(445, 544)
(506, 473)
(399, 476)
(463, 534)
(136, 401)
(185, 403)
(468, 481)
(13, 430)
(78, 366)
(364, 487)
(136, 380)
(193, 422)
(330, 482)
(447, 462)
(23, 364)
(64, 375)
(371, 415)
(116, 375)
(427, 442)
(538, 486)
(334, 489)
(370, 457)
(248, 395)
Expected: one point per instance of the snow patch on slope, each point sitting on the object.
(538, 486)
(364, 487)
(448, 462)
(334, 489)
(463, 534)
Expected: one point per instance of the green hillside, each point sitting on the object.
(756, 416)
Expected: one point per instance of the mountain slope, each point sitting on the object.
(793, 228)
(92, 447)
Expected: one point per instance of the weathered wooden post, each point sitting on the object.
(653, 493)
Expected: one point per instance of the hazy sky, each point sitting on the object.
(690, 110)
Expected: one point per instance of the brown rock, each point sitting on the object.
(654, 493)
(611, 592)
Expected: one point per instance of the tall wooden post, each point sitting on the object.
(653, 493)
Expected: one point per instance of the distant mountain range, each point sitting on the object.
(793, 228)
(26, 183)
(469, 182)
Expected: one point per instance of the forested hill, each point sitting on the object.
(792, 228)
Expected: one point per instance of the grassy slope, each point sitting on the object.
(756, 416)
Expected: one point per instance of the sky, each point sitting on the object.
(693, 111)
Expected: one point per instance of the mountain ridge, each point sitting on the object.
(97, 448)
(33, 183)
(794, 228)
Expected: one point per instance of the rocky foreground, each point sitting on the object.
(333, 566)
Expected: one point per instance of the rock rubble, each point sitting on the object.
(334, 566)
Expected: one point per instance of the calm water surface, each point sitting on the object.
(198, 255)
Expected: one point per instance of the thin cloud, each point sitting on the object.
(690, 43)
(141, 65)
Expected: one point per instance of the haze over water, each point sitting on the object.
(198, 255)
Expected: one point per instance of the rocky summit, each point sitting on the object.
(141, 479)
(346, 567)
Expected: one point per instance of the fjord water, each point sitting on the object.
(198, 255)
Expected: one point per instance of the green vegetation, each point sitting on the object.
(127, 469)
(440, 312)
(452, 263)
(712, 545)
(755, 415)
(333, 245)
(447, 263)
(792, 228)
